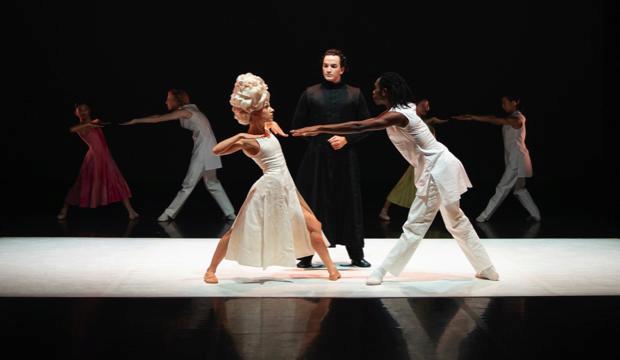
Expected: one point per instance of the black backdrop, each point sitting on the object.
(122, 57)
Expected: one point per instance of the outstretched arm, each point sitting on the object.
(85, 125)
(435, 121)
(386, 119)
(238, 142)
(173, 115)
(513, 121)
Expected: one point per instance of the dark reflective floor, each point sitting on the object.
(291, 328)
(202, 328)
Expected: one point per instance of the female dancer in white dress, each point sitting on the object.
(516, 157)
(203, 163)
(440, 178)
(274, 226)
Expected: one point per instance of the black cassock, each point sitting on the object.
(329, 179)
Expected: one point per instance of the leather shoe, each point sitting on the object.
(304, 264)
(360, 263)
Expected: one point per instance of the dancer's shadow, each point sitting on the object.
(260, 280)
(131, 224)
(353, 329)
(528, 230)
(171, 228)
(86, 229)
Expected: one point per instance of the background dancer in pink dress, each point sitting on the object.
(99, 182)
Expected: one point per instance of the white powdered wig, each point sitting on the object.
(249, 95)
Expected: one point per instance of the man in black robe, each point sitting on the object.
(328, 176)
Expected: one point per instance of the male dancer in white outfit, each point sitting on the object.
(516, 157)
(203, 163)
(440, 178)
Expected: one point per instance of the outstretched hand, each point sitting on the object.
(435, 120)
(463, 117)
(130, 122)
(306, 131)
(273, 127)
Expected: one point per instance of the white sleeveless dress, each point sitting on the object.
(270, 229)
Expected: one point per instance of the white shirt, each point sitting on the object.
(204, 140)
(516, 155)
(430, 158)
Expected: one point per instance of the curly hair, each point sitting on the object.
(250, 94)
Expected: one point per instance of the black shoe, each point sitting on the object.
(360, 263)
(304, 264)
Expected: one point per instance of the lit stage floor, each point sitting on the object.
(164, 267)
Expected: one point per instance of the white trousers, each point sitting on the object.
(510, 182)
(215, 188)
(421, 215)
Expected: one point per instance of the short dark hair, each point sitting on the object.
(181, 96)
(398, 92)
(513, 97)
(339, 53)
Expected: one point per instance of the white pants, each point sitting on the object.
(421, 215)
(194, 174)
(510, 182)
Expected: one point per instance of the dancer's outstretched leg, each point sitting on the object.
(316, 237)
(218, 256)
(130, 211)
(62, 215)
(421, 215)
(526, 200)
(462, 230)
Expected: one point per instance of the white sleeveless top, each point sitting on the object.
(204, 140)
(431, 159)
(516, 155)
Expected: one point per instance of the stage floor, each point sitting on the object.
(173, 267)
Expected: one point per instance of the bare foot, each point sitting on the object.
(62, 215)
(134, 216)
(335, 275)
(210, 278)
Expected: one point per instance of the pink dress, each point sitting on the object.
(99, 182)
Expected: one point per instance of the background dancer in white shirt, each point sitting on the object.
(203, 164)
(516, 157)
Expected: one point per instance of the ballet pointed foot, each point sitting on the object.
(334, 275)
(488, 274)
(164, 217)
(134, 216)
(384, 216)
(533, 218)
(210, 278)
(481, 219)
